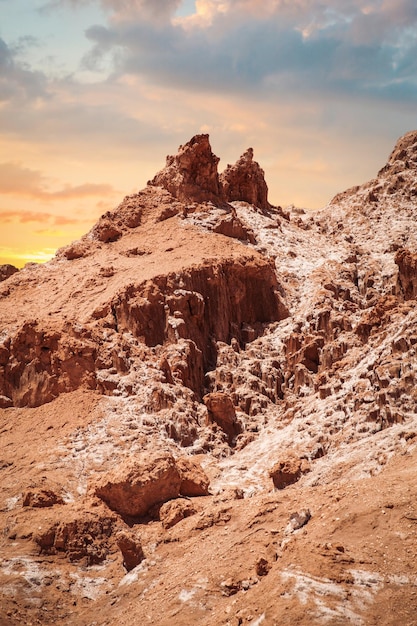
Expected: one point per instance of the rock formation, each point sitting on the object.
(6, 271)
(245, 181)
(191, 175)
(207, 396)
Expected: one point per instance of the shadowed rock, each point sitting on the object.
(192, 173)
(245, 181)
(6, 271)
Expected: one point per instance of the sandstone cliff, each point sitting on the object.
(208, 407)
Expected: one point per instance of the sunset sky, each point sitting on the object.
(95, 93)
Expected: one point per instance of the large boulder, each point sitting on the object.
(133, 487)
(288, 471)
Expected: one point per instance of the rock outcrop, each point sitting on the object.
(194, 480)
(407, 273)
(191, 175)
(215, 301)
(131, 549)
(133, 488)
(6, 271)
(171, 513)
(221, 411)
(288, 471)
(85, 537)
(245, 181)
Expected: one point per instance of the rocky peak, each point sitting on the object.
(405, 149)
(245, 180)
(401, 162)
(192, 173)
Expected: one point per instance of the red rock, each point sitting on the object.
(231, 226)
(407, 273)
(299, 519)
(376, 316)
(221, 411)
(131, 549)
(41, 498)
(262, 567)
(287, 471)
(106, 230)
(41, 364)
(194, 480)
(135, 486)
(85, 537)
(192, 173)
(6, 271)
(174, 511)
(245, 181)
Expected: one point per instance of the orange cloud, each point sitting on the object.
(19, 180)
(37, 216)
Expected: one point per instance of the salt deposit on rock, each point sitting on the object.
(195, 344)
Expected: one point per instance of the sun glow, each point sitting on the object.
(19, 259)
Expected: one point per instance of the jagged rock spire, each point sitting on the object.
(192, 175)
(245, 180)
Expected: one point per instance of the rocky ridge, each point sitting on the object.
(200, 365)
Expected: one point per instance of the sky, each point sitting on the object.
(95, 93)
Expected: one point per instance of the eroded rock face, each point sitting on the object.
(219, 300)
(192, 173)
(245, 181)
(186, 313)
(407, 273)
(303, 338)
(222, 412)
(86, 537)
(36, 365)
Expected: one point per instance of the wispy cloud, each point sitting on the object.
(21, 181)
(17, 80)
(153, 9)
(41, 217)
